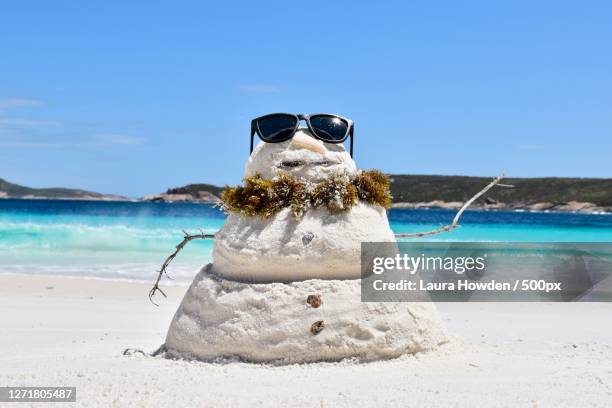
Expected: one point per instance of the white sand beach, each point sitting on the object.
(57, 331)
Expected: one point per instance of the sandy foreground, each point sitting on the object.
(72, 332)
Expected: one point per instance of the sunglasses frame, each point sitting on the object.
(299, 118)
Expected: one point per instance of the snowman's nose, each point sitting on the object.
(301, 140)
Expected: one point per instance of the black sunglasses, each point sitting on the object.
(279, 127)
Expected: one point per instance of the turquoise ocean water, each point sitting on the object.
(125, 240)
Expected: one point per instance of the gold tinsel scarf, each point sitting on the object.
(265, 197)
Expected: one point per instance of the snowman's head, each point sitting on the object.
(302, 156)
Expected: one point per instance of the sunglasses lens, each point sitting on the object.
(329, 128)
(277, 128)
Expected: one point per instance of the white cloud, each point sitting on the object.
(28, 145)
(13, 103)
(97, 141)
(8, 104)
(4, 121)
(530, 147)
(260, 88)
(14, 128)
(117, 139)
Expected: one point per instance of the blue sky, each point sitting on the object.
(134, 97)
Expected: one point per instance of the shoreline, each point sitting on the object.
(573, 207)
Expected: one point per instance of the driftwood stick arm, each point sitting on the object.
(455, 223)
(163, 271)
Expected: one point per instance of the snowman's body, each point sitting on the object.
(251, 302)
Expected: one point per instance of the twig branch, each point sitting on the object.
(163, 271)
(455, 223)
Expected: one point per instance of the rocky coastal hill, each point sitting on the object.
(532, 194)
(200, 193)
(10, 190)
(588, 195)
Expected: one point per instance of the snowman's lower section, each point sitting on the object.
(271, 322)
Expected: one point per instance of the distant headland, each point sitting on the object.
(10, 190)
(583, 195)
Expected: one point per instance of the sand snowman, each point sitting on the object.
(284, 285)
